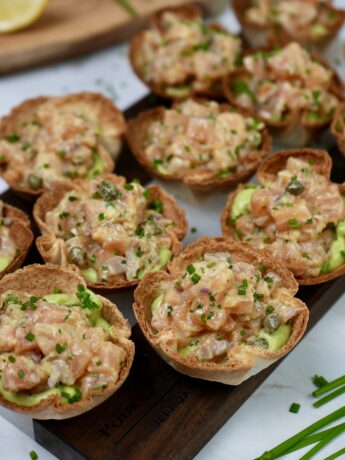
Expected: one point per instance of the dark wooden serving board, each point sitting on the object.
(159, 413)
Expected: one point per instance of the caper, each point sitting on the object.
(258, 342)
(108, 190)
(34, 181)
(76, 255)
(272, 323)
(295, 187)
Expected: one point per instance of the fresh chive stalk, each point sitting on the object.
(330, 386)
(336, 454)
(313, 438)
(291, 442)
(329, 397)
(126, 5)
(327, 439)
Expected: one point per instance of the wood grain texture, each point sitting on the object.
(69, 28)
(159, 413)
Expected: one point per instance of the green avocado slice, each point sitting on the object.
(277, 339)
(68, 393)
(241, 204)
(89, 274)
(5, 262)
(157, 303)
(97, 168)
(192, 346)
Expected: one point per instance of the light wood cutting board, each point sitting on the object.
(71, 27)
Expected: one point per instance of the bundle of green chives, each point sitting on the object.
(309, 436)
(304, 438)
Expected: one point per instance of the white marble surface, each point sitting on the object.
(264, 420)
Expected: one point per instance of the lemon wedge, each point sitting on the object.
(17, 14)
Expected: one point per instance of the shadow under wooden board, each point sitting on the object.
(69, 28)
(159, 413)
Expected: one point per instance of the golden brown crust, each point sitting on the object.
(98, 108)
(265, 35)
(270, 167)
(200, 181)
(339, 118)
(295, 130)
(266, 173)
(40, 280)
(20, 233)
(254, 360)
(188, 12)
(52, 249)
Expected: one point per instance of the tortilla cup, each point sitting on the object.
(338, 127)
(189, 12)
(265, 35)
(198, 181)
(254, 359)
(52, 249)
(99, 109)
(20, 233)
(295, 130)
(39, 280)
(266, 173)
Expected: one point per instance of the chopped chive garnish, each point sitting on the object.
(258, 296)
(270, 309)
(195, 278)
(261, 267)
(293, 223)
(30, 336)
(325, 268)
(294, 408)
(13, 137)
(12, 359)
(190, 269)
(21, 374)
(319, 381)
(33, 455)
(329, 397)
(329, 386)
(60, 348)
(157, 205)
(193, 230)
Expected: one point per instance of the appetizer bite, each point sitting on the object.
(114, 232)
(338, 127)
(200, 142)
(16, 238)
(313, 23)
(181, 55)
(223, 311)
(294, 93)
(296, 213)
(51, 141)
(63, 349)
